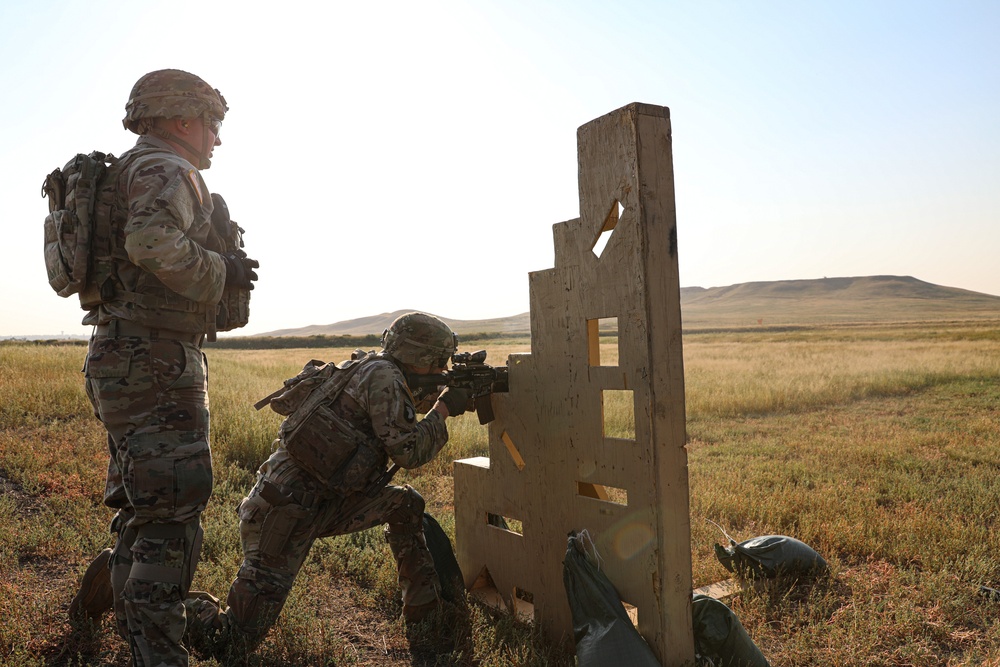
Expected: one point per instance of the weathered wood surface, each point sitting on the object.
(551, 466)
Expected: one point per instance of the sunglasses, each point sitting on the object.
(214, 125)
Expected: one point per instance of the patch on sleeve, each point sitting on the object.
(409, 414)
(192, 176)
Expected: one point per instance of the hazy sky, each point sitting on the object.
(392, 155)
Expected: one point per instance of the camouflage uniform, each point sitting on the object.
(289, 508)
(169, 273)
(147, 378)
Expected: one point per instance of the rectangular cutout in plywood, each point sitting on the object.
(603, 492)
(602, 341)
(484, 590)
(618, 414)
(506, 523)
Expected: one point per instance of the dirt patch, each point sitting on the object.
(27, 505)
(370, 635)
(367, 630)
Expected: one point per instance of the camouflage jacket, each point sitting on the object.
(166, 254)
(378, 405)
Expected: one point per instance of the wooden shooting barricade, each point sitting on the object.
(555, 464)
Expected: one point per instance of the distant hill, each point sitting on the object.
(833, 300)
(782, 302)
(375, 324)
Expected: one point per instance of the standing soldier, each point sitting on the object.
(328, 477)
(174, 275)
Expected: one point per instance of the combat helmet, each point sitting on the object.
(172, 93)
(420, 340)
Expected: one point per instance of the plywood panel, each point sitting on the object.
(568, 472)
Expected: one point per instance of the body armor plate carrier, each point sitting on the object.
(344, 459)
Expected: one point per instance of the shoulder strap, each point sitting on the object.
(104, 242)
(105, 233)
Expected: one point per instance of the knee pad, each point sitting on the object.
(266, 580)
(255, 600)
(414, 501)
(408, 518)
(163, 561)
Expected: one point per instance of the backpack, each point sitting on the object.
(295, 390)
(70, 226)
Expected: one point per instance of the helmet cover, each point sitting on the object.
(420, 340)
(172, 93)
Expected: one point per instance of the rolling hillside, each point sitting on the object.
(375, 324)
(783, 302)
(833, 300)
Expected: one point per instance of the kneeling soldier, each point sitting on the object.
(328, 477)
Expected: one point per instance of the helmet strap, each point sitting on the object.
(202, 156)
(206, 162)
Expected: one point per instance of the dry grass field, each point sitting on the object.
(878, 445)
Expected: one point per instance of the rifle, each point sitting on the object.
(383, 480)
(469, 371)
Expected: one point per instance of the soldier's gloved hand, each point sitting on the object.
(240, 270)
(455, 399)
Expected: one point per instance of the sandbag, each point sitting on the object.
(719, 637)
(768, 556)
(448, 571)
(602, 629)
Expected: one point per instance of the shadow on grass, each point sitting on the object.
(86, 642)
(445, 638)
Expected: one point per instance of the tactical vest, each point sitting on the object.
(132, 293)
(343, 458)
(101, 266)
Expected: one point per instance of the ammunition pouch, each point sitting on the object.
(234, 309)
(361, 470)
(344, 460)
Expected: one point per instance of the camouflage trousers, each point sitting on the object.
(285, 512)
(152, 397)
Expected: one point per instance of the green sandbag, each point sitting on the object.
(719, 637)
(602, 629)
(769, 556)
(448, 571)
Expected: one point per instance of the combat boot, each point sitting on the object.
(95, 595)
(414, 613)
(204, 629)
